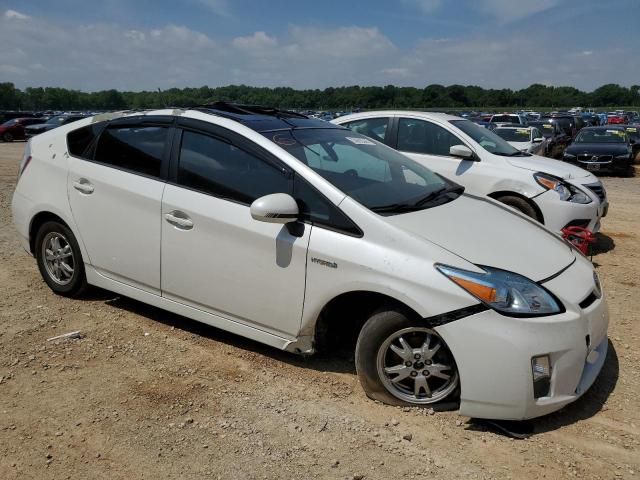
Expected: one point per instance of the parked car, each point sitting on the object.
(566, 122)
(53, 122)
(614, 118)
(292, 231)
(509, 118)
(557, 138)
(601, 149)
(6, 115)
(527, 139)
(633, 133)
(541, 188)
(14, 129)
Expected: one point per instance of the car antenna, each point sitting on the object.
(162, 99)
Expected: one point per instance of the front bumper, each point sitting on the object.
(558, 213)
(493, 353)
(614, 165)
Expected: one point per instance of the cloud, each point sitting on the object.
(217, 7)
(426, 6)
(506, 11)
(42, 52)
(255, 43)
(15, 15)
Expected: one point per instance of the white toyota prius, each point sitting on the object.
(294, 232)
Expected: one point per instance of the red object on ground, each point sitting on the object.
(582, 238)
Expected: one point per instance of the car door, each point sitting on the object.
(115, 194)
(215, 257)
(429, 144)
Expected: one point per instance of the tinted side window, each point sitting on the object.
(138, 149)
(78, 141)
(315, 208)
(419, 136)
(213, 166)
(375, 128)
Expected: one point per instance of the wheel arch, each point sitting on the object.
(342, 317)
(40, 219)
(502, 193)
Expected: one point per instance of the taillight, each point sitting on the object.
(26, 159)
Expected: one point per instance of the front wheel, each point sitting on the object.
(404, 362)
(59, 259)
(7, 137)
(519, 204)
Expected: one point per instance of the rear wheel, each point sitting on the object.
(404, 362)
(519, 204)
(59, 259)
(7, 137)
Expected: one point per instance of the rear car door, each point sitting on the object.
(115, 190)
(215, 257)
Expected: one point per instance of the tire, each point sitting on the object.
(519, 204)
(379, 342)
(56, 240)
(7, 137)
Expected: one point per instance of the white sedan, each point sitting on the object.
(525, 139)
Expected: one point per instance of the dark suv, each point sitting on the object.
(557, 138)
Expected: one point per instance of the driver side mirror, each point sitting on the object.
(275, 208)
(461, 151)
(538, 140)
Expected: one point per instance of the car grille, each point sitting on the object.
(598, 189)
(587, 157)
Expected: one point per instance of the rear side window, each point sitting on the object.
(79, 141)
(137, 149)
(213, 166)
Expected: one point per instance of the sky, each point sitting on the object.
(149, 44)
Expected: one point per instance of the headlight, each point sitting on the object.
(623, 157)
(569, 156)
(505, 292)
(567, 192)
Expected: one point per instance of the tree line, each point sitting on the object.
(332, 98)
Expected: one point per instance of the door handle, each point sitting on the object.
(179, 219)
(83, 185)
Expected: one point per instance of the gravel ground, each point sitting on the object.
(148, 394)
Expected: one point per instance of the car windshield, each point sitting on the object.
(375, 175)
(601, 136)
(57, 120)
(545, 128)
(488, 140)
(514, 134)
(505, 119)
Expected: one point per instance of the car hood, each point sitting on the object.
(485, 232)
(597, 148)
(520, 145)
(559, 169)
(40, 128)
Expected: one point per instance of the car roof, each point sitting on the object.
(394, 113)
(256, 117)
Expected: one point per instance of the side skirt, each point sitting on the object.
(94, 278)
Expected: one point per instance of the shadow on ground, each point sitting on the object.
(604, 243)
(340, 361)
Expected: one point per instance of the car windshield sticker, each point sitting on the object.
(616, 132)
(547, 125)
(632, 129)
(523, 130)
(360, 141)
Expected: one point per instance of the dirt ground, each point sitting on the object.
(148, 394)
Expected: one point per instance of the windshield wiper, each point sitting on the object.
(418, 204)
